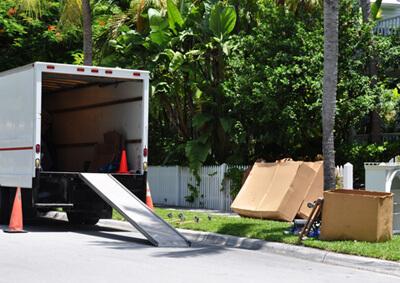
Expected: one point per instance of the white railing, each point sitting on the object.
(169, 186)
(387, 26)
(384, 137)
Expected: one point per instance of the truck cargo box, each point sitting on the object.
(55, 121)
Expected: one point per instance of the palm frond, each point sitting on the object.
(32, 8)
(71, 13)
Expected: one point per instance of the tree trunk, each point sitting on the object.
(331, 42)
(237, 27)
(87, 34)
(376, 122)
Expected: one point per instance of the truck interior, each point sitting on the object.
(87, 121)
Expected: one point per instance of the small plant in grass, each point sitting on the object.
(117, 216)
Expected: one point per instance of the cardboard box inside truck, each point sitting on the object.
(357, 215)
(276, 190)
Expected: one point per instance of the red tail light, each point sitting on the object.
(145, 152)
(37, 148)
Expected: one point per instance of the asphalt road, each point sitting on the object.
(55, 251)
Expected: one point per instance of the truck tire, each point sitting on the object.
(81, 218)
(29, 212)
(4, 205)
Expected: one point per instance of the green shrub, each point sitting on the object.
(236, 177)
(357, 154)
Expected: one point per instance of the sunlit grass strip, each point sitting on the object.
(274, 231)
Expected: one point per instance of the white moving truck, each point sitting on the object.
(53, 118)
(62, 129)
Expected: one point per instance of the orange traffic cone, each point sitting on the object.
(149, 201)
(16, 225)
(123, 167)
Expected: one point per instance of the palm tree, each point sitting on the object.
(331, 43)
(87, 34)
(77, 12)
(71, 13)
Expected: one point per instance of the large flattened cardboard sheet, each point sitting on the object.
(254, 188)
(275, 190)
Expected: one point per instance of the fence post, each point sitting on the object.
(178, 189)
(348, 176)
(224, 191)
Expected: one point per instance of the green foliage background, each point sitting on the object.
(25, 38)
(232, 81)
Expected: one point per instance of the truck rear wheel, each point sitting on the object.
(4, 205)
(81, 218)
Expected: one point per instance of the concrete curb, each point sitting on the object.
(311, 254)
(301, 252)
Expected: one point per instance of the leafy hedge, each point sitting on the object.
(357, 154)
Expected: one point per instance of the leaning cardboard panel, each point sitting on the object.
(357, 215)
(314, 192)
(274, 190)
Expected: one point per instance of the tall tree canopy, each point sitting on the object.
(232, 80)
(32, 34)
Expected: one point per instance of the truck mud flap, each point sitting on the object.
(146, 221)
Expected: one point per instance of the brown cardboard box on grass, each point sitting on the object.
(275, 190)
(357, 215)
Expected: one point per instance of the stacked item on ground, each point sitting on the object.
(357, 215)
(108, 154)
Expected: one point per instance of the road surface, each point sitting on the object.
(55, 251)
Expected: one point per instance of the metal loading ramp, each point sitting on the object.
(146, 221)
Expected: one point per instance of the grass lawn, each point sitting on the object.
(274, 231)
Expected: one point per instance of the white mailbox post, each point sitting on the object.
(385, 177)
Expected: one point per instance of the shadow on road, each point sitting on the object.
(115, 238)
(48, 225)
(196, 250)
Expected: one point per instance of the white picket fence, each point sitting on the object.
(345, 174)
(169, 185)
(387, 26)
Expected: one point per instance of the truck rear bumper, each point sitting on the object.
(68, 191)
